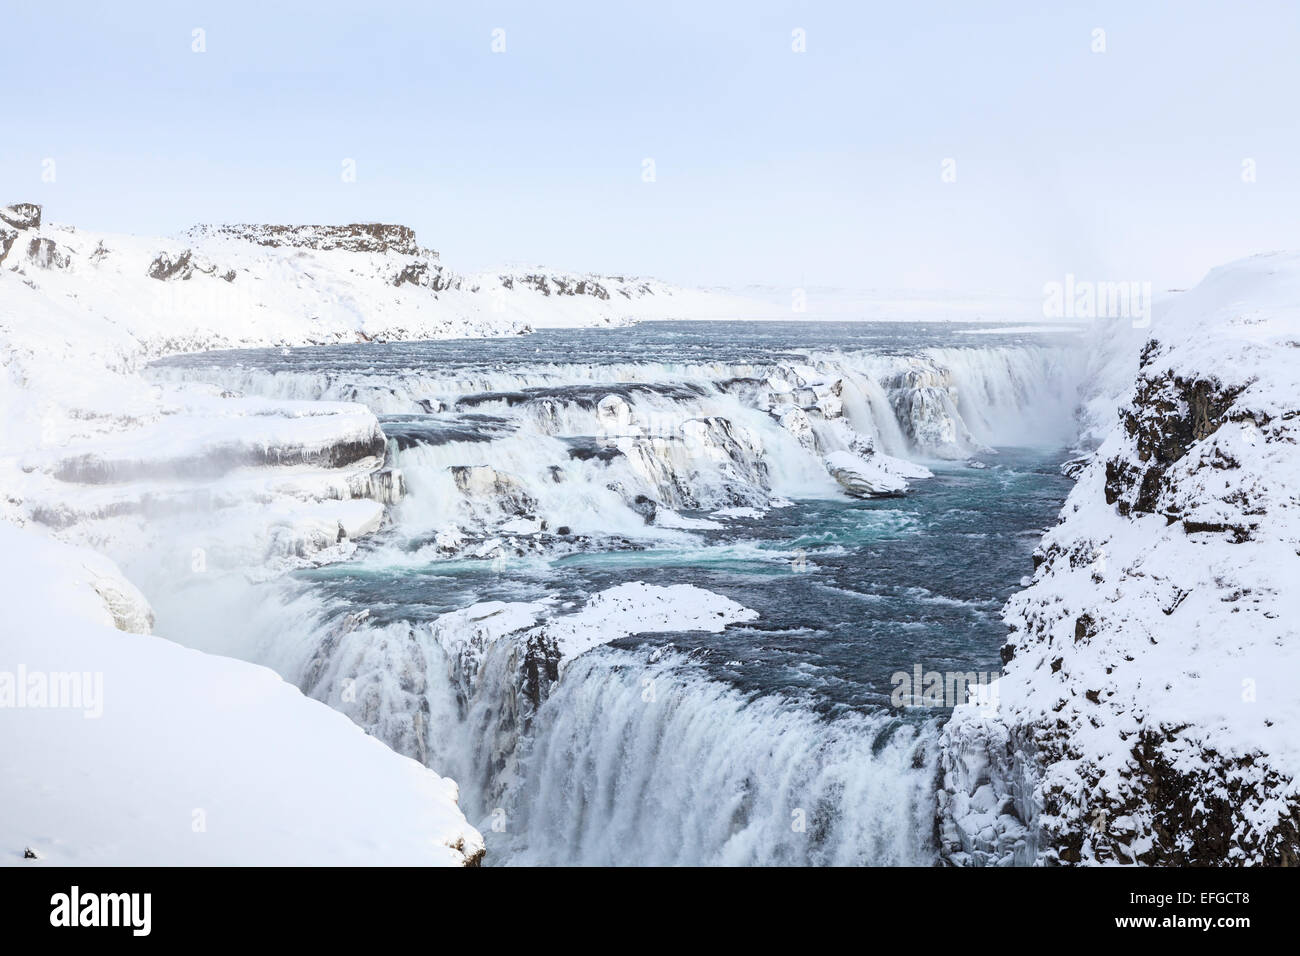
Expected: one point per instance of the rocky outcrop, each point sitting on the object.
(427, 275)
(355, 237)
(219, 458)
(7, 239)
(560, 285)
(1168, 416)
(21, 215)
(1146, 713)
(860, 478)
(182, 265)
(47, 254)
(165, 266)
(40, 251)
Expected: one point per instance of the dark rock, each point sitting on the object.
(21, 215)
(47, 254)
(355, 237)
(645, 507)
(427, 276)
(1074, 467)
(164, 267)
(1168, 415)
(557, 285)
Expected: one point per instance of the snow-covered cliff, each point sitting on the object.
(1148, 712)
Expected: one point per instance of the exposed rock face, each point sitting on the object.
(1143, 716)
(427, 275)
(7, 239)
(1169, 415)
(21, 215)
(47, 254)
(166, 267)
(218, 459)
(355, 237)
(181, 266)
(563, 285)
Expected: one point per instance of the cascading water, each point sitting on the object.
(658, 764)
(496, 631)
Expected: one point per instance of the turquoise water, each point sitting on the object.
(848, 592)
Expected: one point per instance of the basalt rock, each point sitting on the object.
(355, 237)
(1168, 415)
(165, 266)
(47, 254)
(21, 215)
(426, 275)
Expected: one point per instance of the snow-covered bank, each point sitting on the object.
(1147, 712)
(126, 749)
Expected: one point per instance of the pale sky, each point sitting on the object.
(784, 168)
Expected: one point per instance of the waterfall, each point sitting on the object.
(630, 753)
(652, 763)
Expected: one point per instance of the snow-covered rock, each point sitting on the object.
(863, 478)
(1147, 713)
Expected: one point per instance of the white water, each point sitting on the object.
(703, 773)
(588, 440)
(655, 764)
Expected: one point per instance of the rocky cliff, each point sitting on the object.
(1148, 712)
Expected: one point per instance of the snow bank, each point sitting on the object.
(159, 755)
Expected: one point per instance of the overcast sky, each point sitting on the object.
(771, 166)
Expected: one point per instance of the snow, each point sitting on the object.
(1172, 620)
(192, 759)
(862, 477)
(296, 295)
(621, 611)
(73, 336)
(640, 608)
